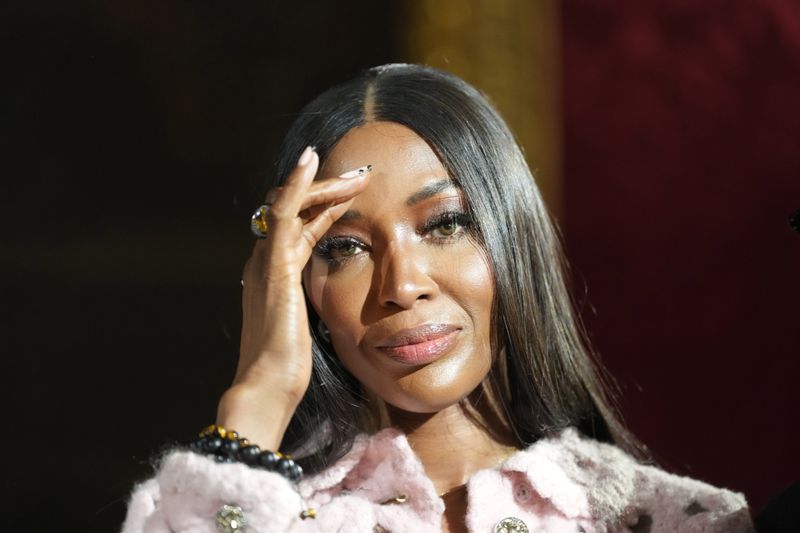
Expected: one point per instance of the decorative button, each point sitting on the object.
(400, 498)
(230, 519)
(523, 492)
(511, 524)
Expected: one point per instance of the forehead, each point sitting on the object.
(402, 162)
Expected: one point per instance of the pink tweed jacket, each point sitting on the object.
(562, 484)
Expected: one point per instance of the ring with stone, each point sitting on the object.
(258, 222)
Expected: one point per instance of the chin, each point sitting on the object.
(427, 405)
(430, 390)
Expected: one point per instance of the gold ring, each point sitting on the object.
(258, 222)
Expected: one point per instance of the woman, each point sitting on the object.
(409, 337)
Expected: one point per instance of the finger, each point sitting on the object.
(272, 194)
(316, 228)
(323, 193)
(274, 255)
(287, 201)
(313, 211)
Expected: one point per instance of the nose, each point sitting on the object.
(404, 278)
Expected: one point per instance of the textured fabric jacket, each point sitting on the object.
(563, 484)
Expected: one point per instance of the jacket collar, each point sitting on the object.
(383, 466)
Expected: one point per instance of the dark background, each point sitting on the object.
(136, 139)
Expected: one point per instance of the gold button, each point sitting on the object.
(230, 519)
(511, 524)
(308, 513)
(400, 498)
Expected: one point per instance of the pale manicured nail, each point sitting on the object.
(305, 157)
(356, 173)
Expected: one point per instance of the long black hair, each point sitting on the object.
(543, 376)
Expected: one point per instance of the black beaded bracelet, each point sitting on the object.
(225, 446)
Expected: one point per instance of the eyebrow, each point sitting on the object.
(428, 191)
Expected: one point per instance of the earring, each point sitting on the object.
(322, 329)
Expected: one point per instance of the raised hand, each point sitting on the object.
(274, 367)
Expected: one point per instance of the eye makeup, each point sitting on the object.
(453, 220)
(450, 225)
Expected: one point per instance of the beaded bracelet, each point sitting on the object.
(225, 446)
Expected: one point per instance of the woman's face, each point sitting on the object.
(402, 286)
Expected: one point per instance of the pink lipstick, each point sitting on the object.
(420, 345)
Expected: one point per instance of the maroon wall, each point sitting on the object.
(682, 146)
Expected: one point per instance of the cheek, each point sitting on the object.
(470, 283)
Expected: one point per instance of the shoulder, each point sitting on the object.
(620, 492)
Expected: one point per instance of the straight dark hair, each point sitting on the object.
(544, 375)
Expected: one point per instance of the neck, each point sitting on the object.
(456, 442)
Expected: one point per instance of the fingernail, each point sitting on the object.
(356, 173)
(305, 157)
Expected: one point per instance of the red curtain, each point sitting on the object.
(682, 165)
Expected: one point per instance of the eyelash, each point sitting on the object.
(327, 247)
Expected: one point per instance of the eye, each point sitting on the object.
(346, 250)
(338, 249)
(447, 225)
(446, 229)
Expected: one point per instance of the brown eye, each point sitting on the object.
(448, 228)
(347, 251)
(335, 249)
(344, 250)
(447, 225)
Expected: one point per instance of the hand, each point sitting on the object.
(274, 366)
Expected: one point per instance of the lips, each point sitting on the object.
(420, 345)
